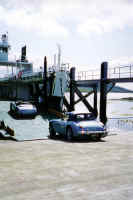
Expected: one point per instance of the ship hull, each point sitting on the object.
(53, 105)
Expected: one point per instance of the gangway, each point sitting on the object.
(115, 74)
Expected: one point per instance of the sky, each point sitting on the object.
(88, 31)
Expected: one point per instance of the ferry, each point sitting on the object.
(18, 66)
(21, 69)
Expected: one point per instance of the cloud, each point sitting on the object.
(122, 61)
(15, 4)
(60, 18)
(43, 21)
(107, 17)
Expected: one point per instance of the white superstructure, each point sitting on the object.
(61, 73)
(12, 67)
(4, 48)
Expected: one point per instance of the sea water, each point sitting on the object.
(119, 110)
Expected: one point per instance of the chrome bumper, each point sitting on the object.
(103, 133)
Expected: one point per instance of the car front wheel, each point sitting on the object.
(69, 134)
(11, 110)
(52, 132)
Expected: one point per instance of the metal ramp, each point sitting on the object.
(26, 129)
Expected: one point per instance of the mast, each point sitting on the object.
(54, 60)
(59, 57)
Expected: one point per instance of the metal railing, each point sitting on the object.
(114, 72)
(121, 72)
(30, 75)
(120, 124)
(23, 76)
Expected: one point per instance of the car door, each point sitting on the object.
(63, 124)
(59, 126)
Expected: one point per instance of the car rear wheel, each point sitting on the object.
(69, 134)
(52, 132)
(96, 137)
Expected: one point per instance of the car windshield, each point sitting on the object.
(81, 117)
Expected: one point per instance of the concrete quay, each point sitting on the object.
(59, 170)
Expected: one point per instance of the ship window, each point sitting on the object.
(5, 49)
(1, 50)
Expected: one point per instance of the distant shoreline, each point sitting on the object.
(124, 99)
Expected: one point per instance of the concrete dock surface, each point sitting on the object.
(60, 170)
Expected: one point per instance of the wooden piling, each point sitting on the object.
(103, 92)
(45, 83)
(95, 100)
(72, 96)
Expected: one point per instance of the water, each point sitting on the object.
(119, 113)
(119, 108)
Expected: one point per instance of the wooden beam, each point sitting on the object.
(83, 97)
(65, 102)
(95, 100)
(86, 103)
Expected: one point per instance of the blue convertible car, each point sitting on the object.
(77, 125)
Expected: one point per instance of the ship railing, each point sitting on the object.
(23, 76)
(31, 75)
(4, 77)
(64, 67)
(113, 72)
